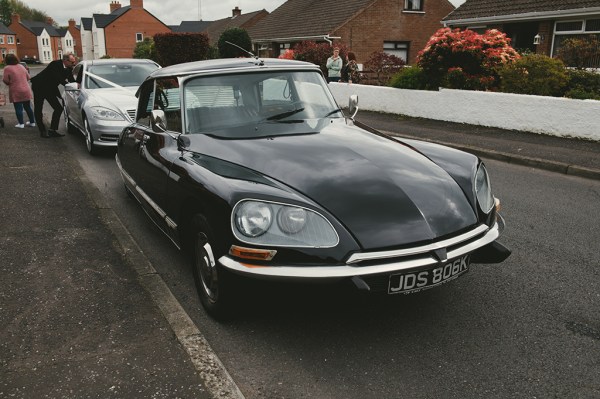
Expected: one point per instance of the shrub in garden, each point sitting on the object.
(583, 84)
(237, 36)
(384, 66)
(288, 55)
(409, 78)
(176, 48)
(581, 52)
(534, 74)
(455, 58)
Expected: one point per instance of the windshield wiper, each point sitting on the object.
(284, 115)
(333, 112)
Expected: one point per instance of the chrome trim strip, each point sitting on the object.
(349, 270)
(364, 256)
(149, 201)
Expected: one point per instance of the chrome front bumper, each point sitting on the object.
(383, 262)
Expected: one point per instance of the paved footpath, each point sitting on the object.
(82, 314)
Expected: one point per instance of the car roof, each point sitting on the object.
(250, 64)
(105, 61)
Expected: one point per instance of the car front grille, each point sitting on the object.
(109, 137)
(131, 113)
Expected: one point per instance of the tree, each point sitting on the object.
(26, 12)
(237, 36)
(177, 48)
(463, 57)
(145, 49)
(6, 11)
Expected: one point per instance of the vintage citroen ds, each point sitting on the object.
(252, 166)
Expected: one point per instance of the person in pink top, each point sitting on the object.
(16, 78)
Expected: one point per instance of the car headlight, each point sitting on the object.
(275, 224)
(106, 114)
(483, 189)
(253, 219)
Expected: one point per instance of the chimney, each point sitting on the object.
(136, 3)
(71, 23)
(15, 19)
(49, 21)
(236, 12)
(114, 5)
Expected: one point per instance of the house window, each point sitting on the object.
(413, 5)
(399, 49)
(585, 29)
(283, 47)
(139, 37)
(570, 26)
(592, 25)
(11, 39)
(2, 39)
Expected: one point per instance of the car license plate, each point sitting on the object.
(407, 283)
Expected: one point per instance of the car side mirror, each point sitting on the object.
(71, 86)
(158, 120)
(353, 105)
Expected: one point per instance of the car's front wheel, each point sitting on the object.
(89, 139)
(213, 283)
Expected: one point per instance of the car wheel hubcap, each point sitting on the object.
(205, 266)
(88, 136)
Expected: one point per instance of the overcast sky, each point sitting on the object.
(171, 12)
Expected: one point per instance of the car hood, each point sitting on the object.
(385, 193)
(114, 98)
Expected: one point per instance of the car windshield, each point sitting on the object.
(132, 74)
(258, 104)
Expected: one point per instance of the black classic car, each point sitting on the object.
(252, 166)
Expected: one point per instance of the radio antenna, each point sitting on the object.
(261, 62)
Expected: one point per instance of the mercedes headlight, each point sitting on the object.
(483, 189)
(275, 224)
(106, 114)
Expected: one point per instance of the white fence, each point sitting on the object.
(548, 115)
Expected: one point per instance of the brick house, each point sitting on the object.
(67, 43)
(117, 33)
(537, 25)
(8, 41)
(399, 27)
(36, 39)
(87, 43)
(75, 32)
(237, 20)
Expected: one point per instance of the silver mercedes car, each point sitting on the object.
(102, 101)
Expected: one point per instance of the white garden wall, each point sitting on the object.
(549, 115)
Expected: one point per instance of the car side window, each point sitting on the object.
(78, 72)
(145, 103)
(167, 99)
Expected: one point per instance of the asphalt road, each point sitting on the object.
(528, 328)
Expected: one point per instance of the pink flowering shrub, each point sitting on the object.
(464, 59)
(287, 55)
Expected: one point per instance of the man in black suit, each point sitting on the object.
(45, 87)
